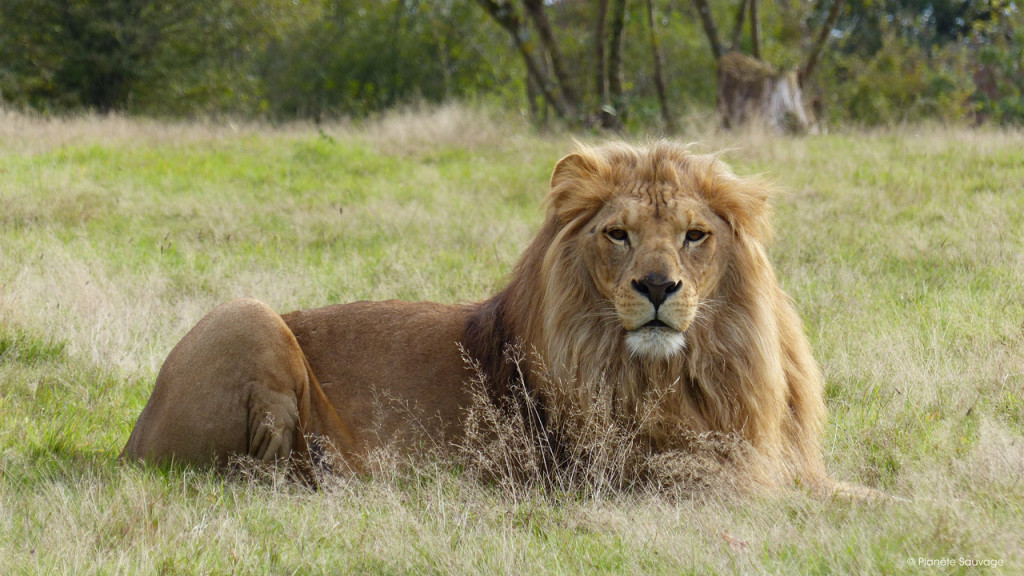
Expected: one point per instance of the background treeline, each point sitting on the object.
(885, 60)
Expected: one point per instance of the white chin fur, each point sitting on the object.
(655, 342)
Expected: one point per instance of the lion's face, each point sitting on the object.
(654, 233)
(655, 255)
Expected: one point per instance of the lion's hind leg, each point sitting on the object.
(273, 421)
(236, 384)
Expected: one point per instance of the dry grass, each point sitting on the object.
(567, 452)
(902, 249)
(32, 134)
(417, 131)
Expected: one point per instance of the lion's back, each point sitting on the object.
(385, 365)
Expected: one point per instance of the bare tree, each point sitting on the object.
(547, 72)
(737, 30)
(708, 21)
(659, 76)
(755, 30)
(507, 17)
(819, 44)
(600, 75)
(607, 116)
(535, 8)
(615, 41)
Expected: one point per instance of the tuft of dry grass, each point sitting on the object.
(568, 452)
(29, 133)
(426, 130)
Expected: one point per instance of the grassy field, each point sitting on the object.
(903, 248)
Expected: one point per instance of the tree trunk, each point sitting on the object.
(600, 78)
(659, 78)
(819, 44)
(505, 15)
(708, 21)
(737, 29)
(538, 104)
(615, 62)
(755, 31)
(606, 117)
(535, 8)
(750, 90)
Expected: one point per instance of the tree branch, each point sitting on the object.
(535, 8)
(505, 15)
(819, 44)
(615, 61)
(737, 29)
(659, 77)
(755, 31)
(708, 21)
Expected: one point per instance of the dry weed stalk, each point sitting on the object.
(523, 444)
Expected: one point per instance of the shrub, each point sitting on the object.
(901, 82)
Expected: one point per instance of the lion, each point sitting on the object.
(649, 274)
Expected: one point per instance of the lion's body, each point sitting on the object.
(391, 370)
(648, 280)
(380, 374)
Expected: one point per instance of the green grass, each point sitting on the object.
(903, 248)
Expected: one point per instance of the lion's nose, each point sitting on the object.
(656, 287)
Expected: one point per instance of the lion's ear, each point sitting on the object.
(745, 203)
(746, 207)
(573, 188)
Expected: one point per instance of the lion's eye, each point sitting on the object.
(617, 234)
(695, 235)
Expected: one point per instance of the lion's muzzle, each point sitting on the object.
(656, 288)
(655, 311)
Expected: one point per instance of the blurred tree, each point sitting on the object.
(999, 68)
(608, 63)
(555, 89)
(368, 55)
(659, 70)
(752, 89)
(615, 117)
(76, 52)
(154, 56)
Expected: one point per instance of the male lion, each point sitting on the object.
(648, 276)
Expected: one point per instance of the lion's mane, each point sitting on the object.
(747, 368)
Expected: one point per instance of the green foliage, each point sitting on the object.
(900, 82)
(888, 60)
(284, 58)
(690, 69)
(367, 55)
(186, 77)
(137, 55)
(75, 53)
(1000, 70)
(927, 22)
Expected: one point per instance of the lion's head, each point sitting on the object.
(649, 279)
(642, 240)
(653, 245)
